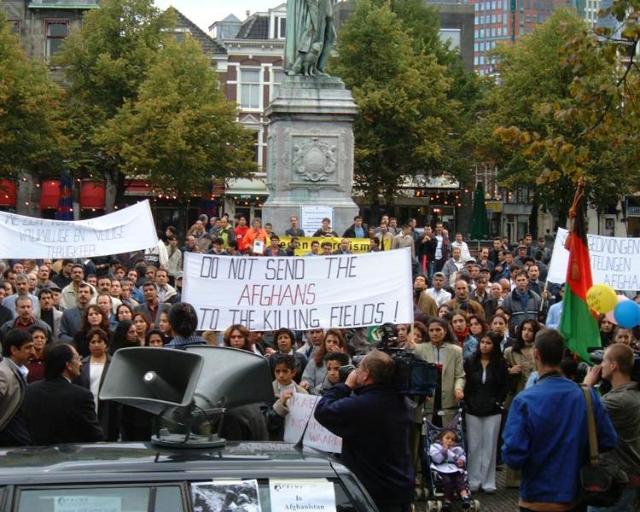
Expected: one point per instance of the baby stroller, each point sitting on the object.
(432, 478)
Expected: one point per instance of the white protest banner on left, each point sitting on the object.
(301, 293)
(615, 261)
(127, 230)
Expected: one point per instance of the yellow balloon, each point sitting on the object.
(601, 298)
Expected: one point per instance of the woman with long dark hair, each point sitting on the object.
(94, 368)
(466, 341)
(477, 326)
(91, 319)
(315, 371)
(134, 424)
(485, 391)
(124, 336)
(519, 357)
(442, 349)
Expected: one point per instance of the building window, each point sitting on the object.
(282, 28)
(277, 75)
(57, 32)
(250, 88)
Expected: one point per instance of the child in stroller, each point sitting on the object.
(447, 466)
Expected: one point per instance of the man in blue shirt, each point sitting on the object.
(555, 312)
(545, 435)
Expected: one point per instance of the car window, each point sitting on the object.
(101, 499)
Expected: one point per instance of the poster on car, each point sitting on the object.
(226, 496)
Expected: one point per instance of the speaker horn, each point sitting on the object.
(231, 377)
(155, 380)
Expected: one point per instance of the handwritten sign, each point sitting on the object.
(302, 495)
(126, 230)
(265, 293)
(301, 408)
(615, 261)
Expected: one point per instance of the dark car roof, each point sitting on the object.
(131, 462)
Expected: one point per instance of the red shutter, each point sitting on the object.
(50, 194)
(92, 195)
(8, 193)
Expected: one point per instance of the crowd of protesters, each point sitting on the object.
(478, 313)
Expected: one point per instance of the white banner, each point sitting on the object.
(300, 421)
(300, 293)
(126, 230)
(614, 261)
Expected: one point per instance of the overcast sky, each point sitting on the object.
(204, 12)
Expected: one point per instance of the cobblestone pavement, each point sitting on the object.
(504, 500)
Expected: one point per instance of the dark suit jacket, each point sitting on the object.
(70, 324)
(60, 412)
(144, 308)
(107, 410)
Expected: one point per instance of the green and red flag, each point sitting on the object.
(578, 324)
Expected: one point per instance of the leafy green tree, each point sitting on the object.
(541, 124)
(105, 62)
(31, 124)
(180, 130)
(402, 92)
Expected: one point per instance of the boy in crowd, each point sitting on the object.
(333, 361)
(283, 388)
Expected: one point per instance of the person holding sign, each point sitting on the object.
(255, 241)
(374, 423)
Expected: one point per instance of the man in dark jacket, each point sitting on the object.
(357, 229)
(374, 424)
(56, 410)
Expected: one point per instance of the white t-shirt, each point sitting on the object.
(95, 374)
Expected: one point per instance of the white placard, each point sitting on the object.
(226, 495)
(301, 293)
(86, 503)
(311, 218)
(127, 230)
(614, 261)
(301, 408)
(304, 494)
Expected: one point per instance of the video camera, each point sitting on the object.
(598, 355)
(413, 376)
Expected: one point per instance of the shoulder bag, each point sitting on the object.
(601, 484)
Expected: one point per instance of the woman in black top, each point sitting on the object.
(485, 390)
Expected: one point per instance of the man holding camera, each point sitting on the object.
(374, 423)
(623, 405)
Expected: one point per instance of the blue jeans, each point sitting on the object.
(624, 504)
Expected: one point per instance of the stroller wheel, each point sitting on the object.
(429, 506)
(476, 505)
(439, 506)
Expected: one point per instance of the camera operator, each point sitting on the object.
(374, 423)
(623, 405)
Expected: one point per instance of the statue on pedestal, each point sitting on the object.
(311, 33)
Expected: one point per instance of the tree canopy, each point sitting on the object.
(117, 94)
(31, 124)
(543, 124)
(402, 93)
(180, 131)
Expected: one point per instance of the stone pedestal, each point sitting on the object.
(310, 151)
